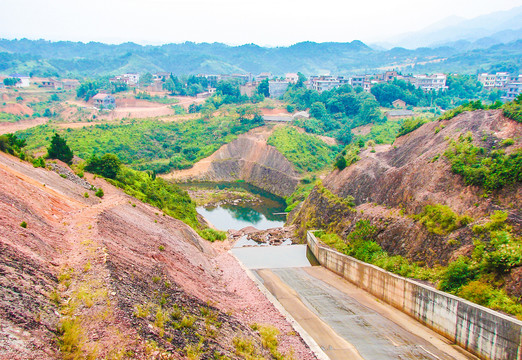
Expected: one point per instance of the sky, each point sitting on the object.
(234, 22)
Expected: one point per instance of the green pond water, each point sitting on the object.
(261, 215)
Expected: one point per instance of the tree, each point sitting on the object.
(87, 90)
(107, 166)
(301, 80)
(146, 79)
(263, 88)
(318, 111)
(59, 149)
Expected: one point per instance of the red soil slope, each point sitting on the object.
(116, 277)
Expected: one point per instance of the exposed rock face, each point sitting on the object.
(247, 158)
(402, 174)
(401, 179)
(112, 277)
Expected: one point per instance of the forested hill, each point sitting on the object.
(87, 59)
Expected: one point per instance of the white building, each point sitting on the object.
(129, 79)
(498, 80)
(25, 80)
(323, 83)
(487, 80)
(430, 82)
(513, 88)
(502, 78)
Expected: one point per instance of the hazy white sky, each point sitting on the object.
(264, 22)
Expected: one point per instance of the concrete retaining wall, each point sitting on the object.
(483, 332)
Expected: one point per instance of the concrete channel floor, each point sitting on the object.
(349, 323)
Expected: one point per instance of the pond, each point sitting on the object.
(266, 214)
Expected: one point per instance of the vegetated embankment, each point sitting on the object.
(419, 207)
(247, 158)
(84, 277)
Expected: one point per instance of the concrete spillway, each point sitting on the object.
(345, 321)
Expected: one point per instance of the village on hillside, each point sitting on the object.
(133, 95)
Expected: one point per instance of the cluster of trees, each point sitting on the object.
(461, 88)
(335, 112)
(89, 88)
(11, 144)
(11, 81)
(148, 144)
(189, 86)
(108, 165)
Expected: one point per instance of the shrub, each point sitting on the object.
(457, 274)
(491, 169)
(440, 219)
(212, 235)
(507, 142)
(11, 144)
(306, 152)
(410, 125)
(39, 162)
(23, 224)
(99, 193)
(513, 109)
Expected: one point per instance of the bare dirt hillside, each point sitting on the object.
(399, 180)
(113, 278)
(247, 158)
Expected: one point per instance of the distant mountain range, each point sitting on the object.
(480, 32)
(65, 58)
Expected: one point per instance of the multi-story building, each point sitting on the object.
(513, 89)
(387, 76)
(323, 83)
(494, 81)
(501, 80)
(487, 80)
(249, 89)
(104, 100)
(263, 76)
(510, 84)
(292, 78)
(430, 82)
(129, 79)
(358, 80)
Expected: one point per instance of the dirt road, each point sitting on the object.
(11, 127)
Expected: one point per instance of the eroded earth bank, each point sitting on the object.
(115, 278)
